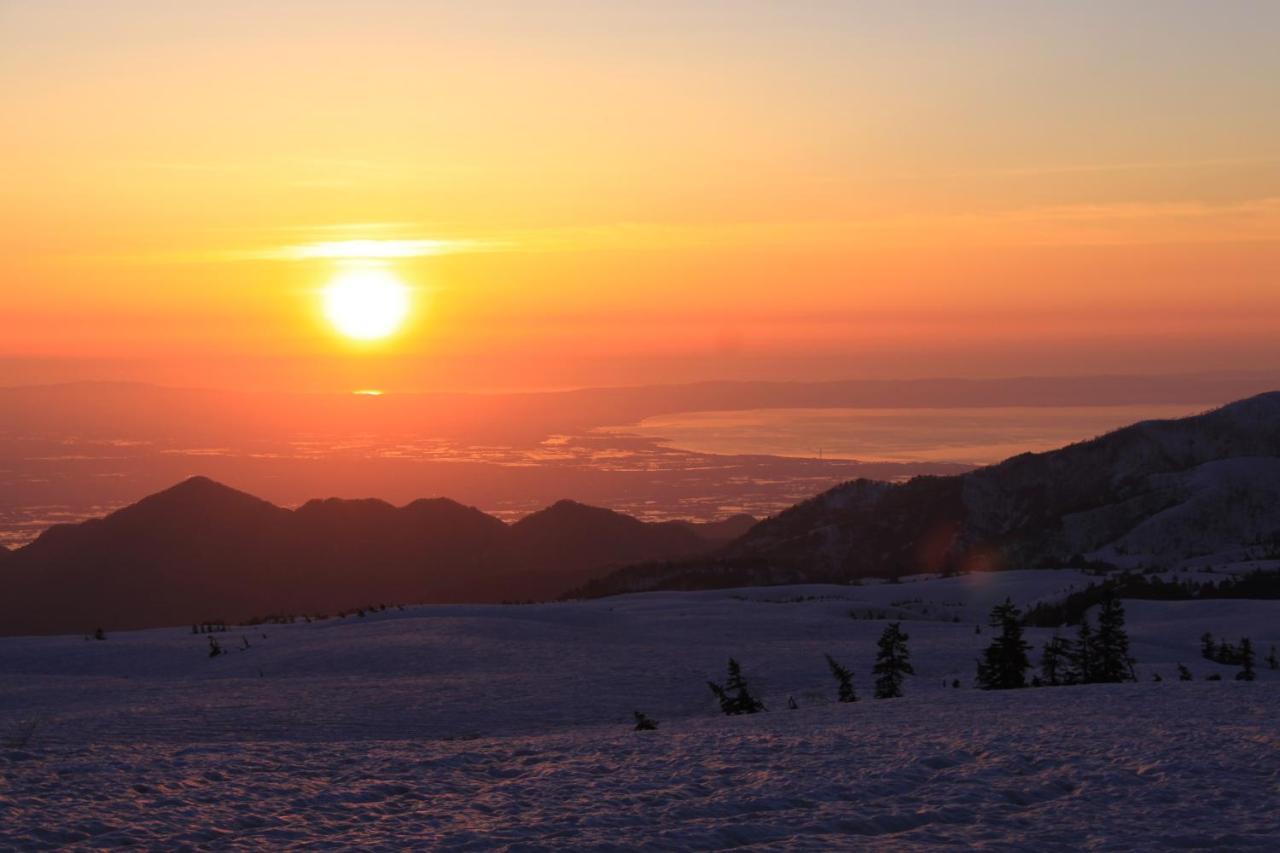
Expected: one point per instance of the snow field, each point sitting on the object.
(482, 726)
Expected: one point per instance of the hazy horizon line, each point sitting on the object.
(1223, 374)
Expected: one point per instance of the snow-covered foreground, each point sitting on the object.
(1184, 765)
(483, 726)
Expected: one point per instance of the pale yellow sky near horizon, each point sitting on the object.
(610, 193)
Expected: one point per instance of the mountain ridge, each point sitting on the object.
(1155, 493)
(201, 550)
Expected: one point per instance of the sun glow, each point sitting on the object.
(366, 303)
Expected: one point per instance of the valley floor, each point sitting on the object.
(476, 727)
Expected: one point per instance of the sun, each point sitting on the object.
(366, 304)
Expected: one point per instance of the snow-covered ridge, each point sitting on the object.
(1158, 494)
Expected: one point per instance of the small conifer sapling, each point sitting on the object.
(644, 723)
(844, 678)
(733, 695)
(1246, 672)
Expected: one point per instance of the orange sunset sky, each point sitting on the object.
(576, 193)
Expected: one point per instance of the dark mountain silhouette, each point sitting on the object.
(725, 530)
(1155, 494)
(590, 536)
(572, 540)
(202, 551)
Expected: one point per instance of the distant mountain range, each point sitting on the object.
(203, 551)
(1156, 494)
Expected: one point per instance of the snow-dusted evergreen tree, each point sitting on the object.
(1055, 661)
(733, 695)
(1004, 663)
(1246, 661)
(844, 678)
(893, 661)
(1112, 663)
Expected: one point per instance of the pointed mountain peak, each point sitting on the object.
(569, 505)
(197, 485)
(444, 513)
(571, 509)
(568, 514)
(198, 494)
(435, 504)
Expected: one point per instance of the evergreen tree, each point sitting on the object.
(99, 634)
(733, 695)
(1208, 650)
(643, 723)
(845, 679)
(214, 648)
(1004, 664)
(792, 705)
(1112, 661)
(725, 700)
(1272, 661)
(1083, 669)
(1184, 674)
(893, 660)
(1246, 661)
(1055, 660)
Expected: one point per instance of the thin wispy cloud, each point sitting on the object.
(1120, 223)
(1103, 168)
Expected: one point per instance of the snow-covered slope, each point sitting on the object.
(1156, 494)
(491, 725)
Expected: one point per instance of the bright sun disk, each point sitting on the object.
(366, 304)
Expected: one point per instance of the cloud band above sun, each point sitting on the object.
(371, 249)
(1115, 224)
